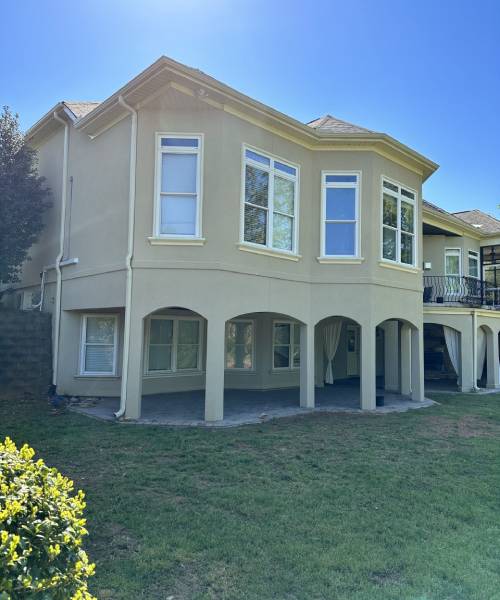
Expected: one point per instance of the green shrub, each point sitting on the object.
(41, 530)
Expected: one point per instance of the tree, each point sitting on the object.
(23, 197)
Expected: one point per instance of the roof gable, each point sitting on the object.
(329, 124)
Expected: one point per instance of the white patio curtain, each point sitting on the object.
(481, 351)
(331, 338)
(452, 338)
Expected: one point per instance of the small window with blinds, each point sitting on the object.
(270, 198)
(98, 345)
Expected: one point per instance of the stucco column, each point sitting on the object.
(405, 353)
(307, 366)
(132, 388)
(391, 355)
(467, 383)
(492, 366)
(417, 365)
(214, 382)
(368, 382)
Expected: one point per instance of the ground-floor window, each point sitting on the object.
(173, 344)
(286, 345)
(98, 345)
(240, 340)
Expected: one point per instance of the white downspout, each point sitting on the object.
(128, 260)
(474, 350)
(57, 312)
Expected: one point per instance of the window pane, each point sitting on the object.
(408, 194)
(281, 357)
(180, 142)
(473, 266)
(99, 359)
(281, 333)
(284, 192)
(340, 204)
(390, 211)
(257, 157)
(284, 168)
(255, 224)
(391, 186)
(189, 332)
(340, 239)
(389, 244)
(296, 355)
(178, 215)
(282, 232)
(407, 217)
(160, 358)
(296, 333)
(187, 357)
(256, 186)
(406, 249)
(239, 345)
(100, 330)
(178, 173)
(341, 178)
(160, 331)
(452, 264)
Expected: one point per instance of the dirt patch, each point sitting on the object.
(386, 577)
(465, 427)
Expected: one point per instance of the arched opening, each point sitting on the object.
(442, 357)
(338, 363)
(174, 359)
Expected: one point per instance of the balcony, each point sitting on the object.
(452, 290)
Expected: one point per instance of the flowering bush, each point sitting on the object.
(41, 530)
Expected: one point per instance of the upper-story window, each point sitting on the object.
(270, 202)
(398, 223)
(178, 184)
(340, 214)
(473, 264)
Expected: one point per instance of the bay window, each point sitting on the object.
(286, 345)
(240, 344)
(173, 344)
(340, 214)
(178, 183)
(398, 223)
(270, 202)
(98, 345)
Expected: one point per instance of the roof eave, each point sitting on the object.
(47, 124)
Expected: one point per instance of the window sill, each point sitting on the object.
(186, 373)
(344, 260)
(268, 252)
(399, 267)
(280, 371)
(176, 241)
(96, 376)
(241, 371)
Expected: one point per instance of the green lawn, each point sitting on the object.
(339, 506)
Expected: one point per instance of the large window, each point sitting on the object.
(340, 209)
(270, 202)
(240, 344)
(98, 345)
(398, 223)
(286, 345)
(173, 344)
(178, 183)
(473, 264)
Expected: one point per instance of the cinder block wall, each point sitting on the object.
(25, 351)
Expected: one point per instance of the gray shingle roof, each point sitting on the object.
(80, 109)
(330, 124)
(479, 219)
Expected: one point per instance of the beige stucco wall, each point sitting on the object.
(434, 247)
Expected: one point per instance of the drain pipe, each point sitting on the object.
(57, 312)
(128, 260)
(474, 351)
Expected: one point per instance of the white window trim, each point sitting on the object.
(416, 239)
(83, 343)
(475, 255)
(460, 263)
(254, 331)
(175, 333)
(294, 252)
(324, 257)
(292, 344)
(159, 151)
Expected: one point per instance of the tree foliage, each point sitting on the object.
(23, 198)
(41, 530)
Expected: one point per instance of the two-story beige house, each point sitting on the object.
(203, 242)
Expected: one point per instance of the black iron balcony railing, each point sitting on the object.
(452, 289)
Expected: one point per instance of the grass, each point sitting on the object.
(325, 506)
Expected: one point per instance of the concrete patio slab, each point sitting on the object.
(244, 407)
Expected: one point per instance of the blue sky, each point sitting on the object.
(426, 72)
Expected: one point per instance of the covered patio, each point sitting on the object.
(242, 407)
